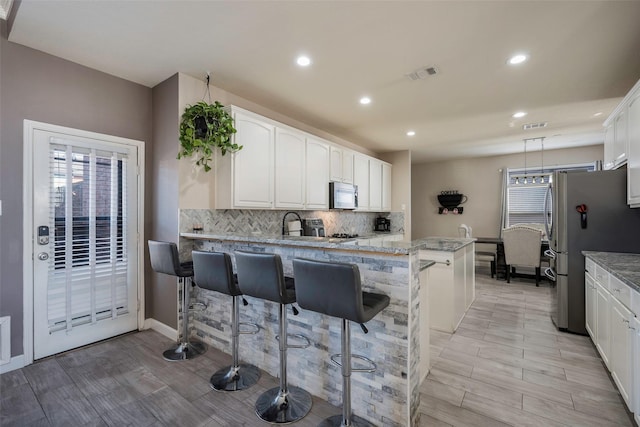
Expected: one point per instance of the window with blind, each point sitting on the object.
(526, 191)
(88, 273)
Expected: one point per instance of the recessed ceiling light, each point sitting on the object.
(517, 59)
(599, 113)
(411, 133)
(303, 61)
(365, 100)
(519, 114)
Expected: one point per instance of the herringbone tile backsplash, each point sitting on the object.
(270, 221)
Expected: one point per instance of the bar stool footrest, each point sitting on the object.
(255, 330)
(306, 344)
(372, 365)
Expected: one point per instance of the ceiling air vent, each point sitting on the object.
(422, 73)
(534, 125)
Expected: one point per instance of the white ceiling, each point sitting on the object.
(584, 56)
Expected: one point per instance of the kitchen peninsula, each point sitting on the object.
(390, 395)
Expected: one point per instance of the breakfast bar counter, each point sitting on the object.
(389, 396)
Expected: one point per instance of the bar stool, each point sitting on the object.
(213, 271)
(260, 275)
(164, 259)
(334, 289)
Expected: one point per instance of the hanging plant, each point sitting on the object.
(203, 128)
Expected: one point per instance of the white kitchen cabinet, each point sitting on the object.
(341, 165)
(386, 187)
(425, 353)
(448, 287)
(620, 139)
(621, 350)
(361, 179)
(633, 161)
(317, 174)
(590, 296)
(251, 169)
(375, 185)
(469, 275)
(602, 322)
(635, 332)
(289, 169)
(609, 141)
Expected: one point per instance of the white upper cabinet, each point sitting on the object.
(341, 165)
(609, 141)
(317, 174)
(361, 179)
(289, 169)
(375, 185)
(386, 187)
(633, 162)
(253, 165)
(620, 139)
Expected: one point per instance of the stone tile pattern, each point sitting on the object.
(270, 221)
(414, 319)
(507, 364)
(380, 397)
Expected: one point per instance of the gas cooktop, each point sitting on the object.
(344, 236)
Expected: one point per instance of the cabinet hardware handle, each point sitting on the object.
(447, 262)
(616, 289)
(625, 321)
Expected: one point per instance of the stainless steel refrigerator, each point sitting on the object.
(606, 223)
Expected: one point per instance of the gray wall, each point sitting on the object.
(161, 290)
(480, 180)
(41, 87)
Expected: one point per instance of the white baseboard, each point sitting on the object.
(161, 328)
(16, 362)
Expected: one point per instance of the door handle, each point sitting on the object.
(550, 274)
(43, 256)
(550, 253)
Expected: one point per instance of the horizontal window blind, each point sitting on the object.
(89, 270)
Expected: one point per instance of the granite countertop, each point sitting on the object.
(625, 267)
(447, 244)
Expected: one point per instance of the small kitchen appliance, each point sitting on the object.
(382, 224)
(343, 196)
(313, 227)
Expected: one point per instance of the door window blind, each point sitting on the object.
(89, 270)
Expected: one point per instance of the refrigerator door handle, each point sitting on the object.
(547, 209)
(551, 275)
(550, 253)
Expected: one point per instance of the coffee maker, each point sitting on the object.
(382, 224)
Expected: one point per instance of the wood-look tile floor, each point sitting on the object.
(505, 365)
(508, 365)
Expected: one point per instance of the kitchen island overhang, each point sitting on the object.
(389, 396)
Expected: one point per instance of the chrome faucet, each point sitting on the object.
(285, 216)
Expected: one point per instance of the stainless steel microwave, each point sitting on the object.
(343, 196)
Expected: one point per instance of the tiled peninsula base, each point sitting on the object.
(387, 397)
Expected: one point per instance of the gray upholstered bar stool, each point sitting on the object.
(334, 289)
(165, 259)
(261, 275)
(213, 271)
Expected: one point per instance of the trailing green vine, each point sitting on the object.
(203, 128)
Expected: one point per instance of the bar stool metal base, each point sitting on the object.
(184, 351)
(235, 378)
(336, 421)
(276, 407)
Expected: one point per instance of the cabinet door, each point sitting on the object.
(361, 179)
(336, 164)
(290, 169)
(609, 141)
(620, 139)
(602, 323)
(635, 356)
(423, 315)
(590, 305)
(386, 187)
(469, 275)
(633, 163)
(347, 166)
(620, 361)
(317, 175)
(375, 185)
(253, 165)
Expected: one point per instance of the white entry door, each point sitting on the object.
(85, 239)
